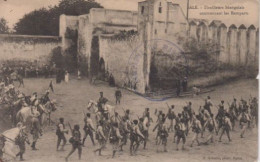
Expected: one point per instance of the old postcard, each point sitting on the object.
(129, 80)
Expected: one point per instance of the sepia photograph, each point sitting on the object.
(129, 80)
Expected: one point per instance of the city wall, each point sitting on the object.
(27, 48)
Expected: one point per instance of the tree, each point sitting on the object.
(45, 21)
(3, 26)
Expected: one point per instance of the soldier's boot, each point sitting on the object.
(114, 152)
(21, 157)
(83, 142)
(33, 146)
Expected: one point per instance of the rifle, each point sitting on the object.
(168, 105)
(70, 128)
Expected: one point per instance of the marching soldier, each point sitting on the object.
(118, 96)
(163, 134)
(135, 136)
(208, 105)
(75, 140)
(196, 128)
(100, 137)
(171, 116)
(226, 127)
(60, 132)
(89, 129)
(180, 133)
(124, 131)
(244, 120)
(115, 138)
(211, 125)
(20, 141)
(45, 98)
(36, 129)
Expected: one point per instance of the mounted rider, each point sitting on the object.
(101, 102)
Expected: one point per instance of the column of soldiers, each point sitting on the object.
(117, 129)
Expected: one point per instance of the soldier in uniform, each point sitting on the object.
(89, 129)
(115, 138)
(208, 105)
(118, 95)
(135, 134)
(196, 128)
(211, 125)
(244, 120)
(102, 100)
(146, 125)
(20, 141)
(100, 137)
(180, 133)
(163, 134)
(60, 132)
(226, 127)
(171, 116)
(75, 140)
(36, 129)
(124, 131)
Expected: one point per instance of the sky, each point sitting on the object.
(13, 10)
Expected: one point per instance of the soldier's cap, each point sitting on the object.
(235, 99)
(147, 108)
(61, 119)
(76, 127)
(47, 91)
(190, 103)
(88, 114)
(222, 101)
(127, 111)
(135, 121)
(208, 97)
(172, 106)
(101, 92)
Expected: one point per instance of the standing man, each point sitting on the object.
(208, 105)
(171, 116)
(76, 142)
(118, 95)
(89, 129)
(212, 126)
(185, 84)
(20, 141)
(196, 128)
(178, 86)
(115, 138)
(180, 133)
(100, 137)
(226, 127)
(36, 129)
(135, 134)
(60, 132)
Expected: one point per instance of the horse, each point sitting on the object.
(10, 147)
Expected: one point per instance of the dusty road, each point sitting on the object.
(74, 96)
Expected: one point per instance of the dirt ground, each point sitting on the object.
(74, 96)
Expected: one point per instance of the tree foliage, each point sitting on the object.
(3, 26)
(45, 21)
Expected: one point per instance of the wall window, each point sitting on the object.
(155, 31)
(142, 10)
(160, 8)
(165, 31)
